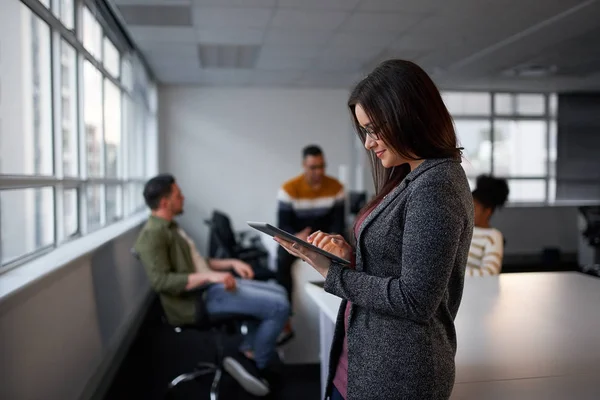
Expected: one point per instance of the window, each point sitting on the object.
(475, 138)
(112, 59)
(467, 103)
(92, 117)
(527, 191)
(112, 132)
(68, 94)
(136, 164)
(509, 135)
(27, 101)
(520, 104)
(520, 148)
(553, 105)
(92, 34)
(94, 200)
(114, 199)
(552, 151)
(126, 75)
(135, 202)
(27, 221)
(75, 108)
(66, 12)
(70, 209)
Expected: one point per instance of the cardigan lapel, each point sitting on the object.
(412, 175)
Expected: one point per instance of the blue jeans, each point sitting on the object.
(265, 301)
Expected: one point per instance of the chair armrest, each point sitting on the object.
(247, 237)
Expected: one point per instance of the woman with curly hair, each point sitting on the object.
(487, 245)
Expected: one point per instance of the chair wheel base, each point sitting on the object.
(202, 369)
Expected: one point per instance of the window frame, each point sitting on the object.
(548, 117)
(138, 92)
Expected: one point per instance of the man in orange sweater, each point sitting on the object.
(307, 203)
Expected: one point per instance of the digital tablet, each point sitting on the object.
(273, 231)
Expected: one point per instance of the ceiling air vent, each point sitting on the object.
(228, 56)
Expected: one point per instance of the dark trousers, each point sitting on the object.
(284, 270)
(335, 394)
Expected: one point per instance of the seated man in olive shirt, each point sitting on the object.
(175, 268)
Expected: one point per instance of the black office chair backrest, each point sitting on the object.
(591, 214)
(222, 235)
(357, 201)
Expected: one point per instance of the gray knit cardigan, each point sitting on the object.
(405, 292)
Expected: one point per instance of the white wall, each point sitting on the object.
(231, 149)
(59, 333)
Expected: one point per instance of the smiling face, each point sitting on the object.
(373, 141)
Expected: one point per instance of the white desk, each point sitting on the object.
(520, 336)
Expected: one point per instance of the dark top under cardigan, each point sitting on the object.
(411, 254)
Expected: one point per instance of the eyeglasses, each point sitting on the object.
(371, 131)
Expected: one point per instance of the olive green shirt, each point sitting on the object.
(168, 261)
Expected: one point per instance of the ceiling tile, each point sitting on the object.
(380, 22)
(236, 3)
(157, 15)
(306, 19)
(294, 37)
(283, 63)
(171, 51)
(319, 4)
(176, 73)
(409, 55)
(228, 56)
(357, 53)
(412, 41)
(163, 34)
(338, 64)
(399, 6)
(233, 17)
(299, 51)
(221, 35)
(275, 78)
(153, 2)
(388, 55)
(220, 77)
(363, 39)
(329, 79)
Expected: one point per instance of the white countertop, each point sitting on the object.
(519, 326)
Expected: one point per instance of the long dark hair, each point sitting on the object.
(404, 104)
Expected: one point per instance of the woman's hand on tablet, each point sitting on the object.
(335, 244)
(316, 260)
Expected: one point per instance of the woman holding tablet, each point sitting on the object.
(395, 336)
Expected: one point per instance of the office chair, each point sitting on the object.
(218, 325)
(224, 243)
(356, 201)
(591, 215)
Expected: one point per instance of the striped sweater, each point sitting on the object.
(301, 206)
(485, 253)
